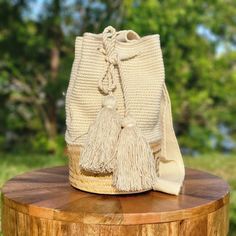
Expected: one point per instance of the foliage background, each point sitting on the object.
(198, 40)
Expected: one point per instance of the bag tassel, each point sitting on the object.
(135, 166)
(98, 153)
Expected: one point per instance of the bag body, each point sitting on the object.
(144, 78)
(134, 67)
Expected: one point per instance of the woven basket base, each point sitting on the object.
(98, 187)
(90, 182)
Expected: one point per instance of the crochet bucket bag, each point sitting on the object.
(120, 137)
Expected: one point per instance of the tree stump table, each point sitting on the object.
(43, 203)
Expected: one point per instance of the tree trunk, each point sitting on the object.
(52, 114)
(56, 35)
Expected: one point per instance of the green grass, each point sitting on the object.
(221, 165)
(14, 164)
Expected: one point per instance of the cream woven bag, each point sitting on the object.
(119, 133)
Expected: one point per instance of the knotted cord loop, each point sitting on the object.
(108, 50)
(112, 59)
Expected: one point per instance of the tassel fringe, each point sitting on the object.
(135, 166)
(98, 153)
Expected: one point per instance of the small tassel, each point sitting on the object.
(98, 152)
(135, 166)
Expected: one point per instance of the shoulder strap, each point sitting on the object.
(171, 167)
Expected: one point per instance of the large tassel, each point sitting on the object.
(135, 167)
(98, 152)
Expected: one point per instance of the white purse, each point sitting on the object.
(118, 109)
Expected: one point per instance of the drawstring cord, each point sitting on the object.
(113, 61)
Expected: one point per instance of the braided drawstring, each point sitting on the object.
(108, 50)
(113, 61)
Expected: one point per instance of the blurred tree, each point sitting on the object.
(95, 15)
(198, 39)
(35, 63)
(198, 42)
(30, 56)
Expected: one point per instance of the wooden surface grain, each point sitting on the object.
(43, 203)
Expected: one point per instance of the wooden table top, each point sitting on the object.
(47, 193)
